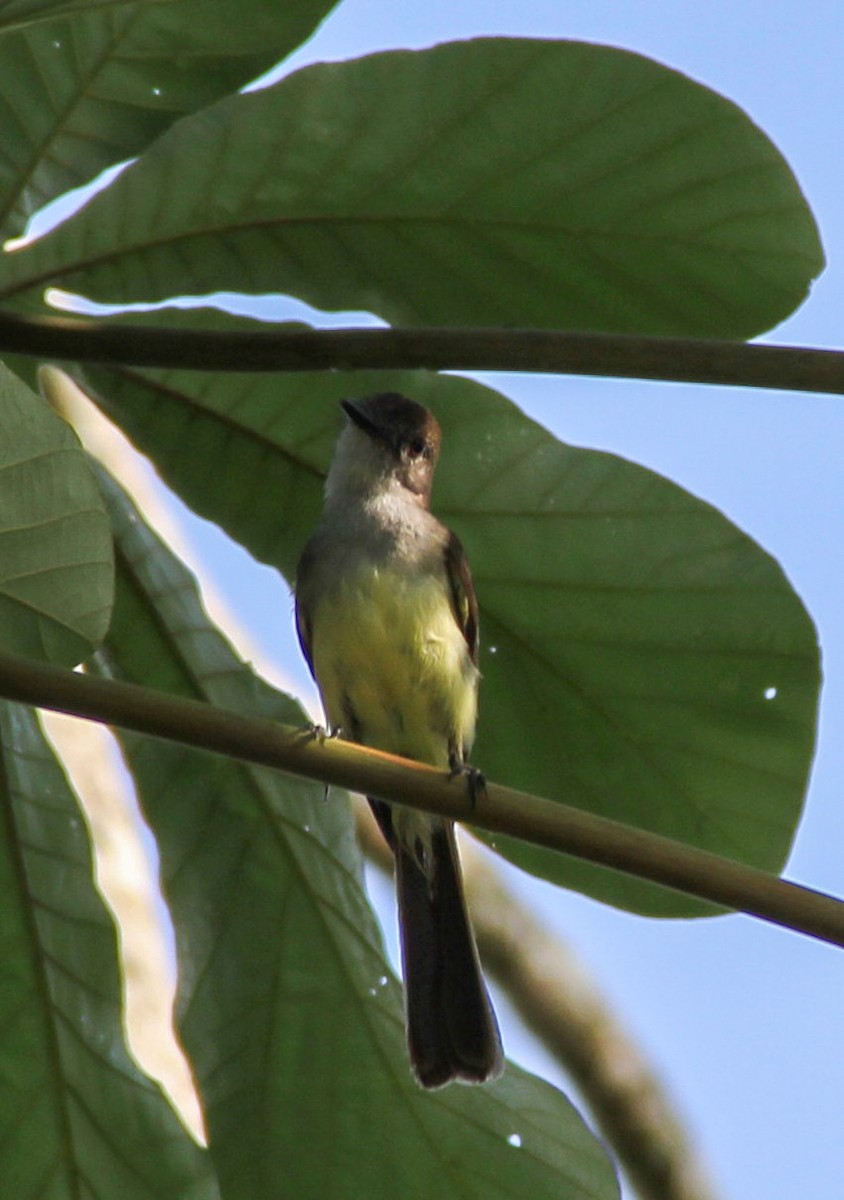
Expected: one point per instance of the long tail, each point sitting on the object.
(452, 1032)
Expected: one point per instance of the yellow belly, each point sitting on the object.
(391, 661)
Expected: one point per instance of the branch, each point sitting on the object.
(684, 360)
(499, 809)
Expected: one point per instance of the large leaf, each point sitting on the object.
(642, 658)
(288, 1012)
(497, 181)
(14, 13)
(247, 451)
(92, 89)
(77, 1118)
(56, 569)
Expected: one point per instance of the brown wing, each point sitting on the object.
(463, 598)
(303, 623)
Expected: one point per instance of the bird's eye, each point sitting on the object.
(417, 447)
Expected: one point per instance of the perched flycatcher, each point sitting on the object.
(388, 621)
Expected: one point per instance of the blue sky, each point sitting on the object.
(742, 1020)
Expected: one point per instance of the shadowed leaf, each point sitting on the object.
(288, 1009)
(91, 89)
(77, 1117)
(642, 658)
(56, 570)
(17, 13)
(498, 182)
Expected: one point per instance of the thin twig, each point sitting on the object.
(500, 810)
(689, 360)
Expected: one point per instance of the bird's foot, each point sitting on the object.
(323, 734)
(475, 779)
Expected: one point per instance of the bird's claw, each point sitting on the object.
(323, 734)
(475, 779)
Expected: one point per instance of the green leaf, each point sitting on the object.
(247, 451)
(84, 92)
(16, 13)
(497, 181)
(642, 658)
(288, 1010)
(642, 655)
(630, 634)
(77, 1118)
(56, 569)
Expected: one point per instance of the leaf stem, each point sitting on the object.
(687, 360)
(499, 809)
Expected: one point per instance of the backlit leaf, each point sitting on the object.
(498, 181)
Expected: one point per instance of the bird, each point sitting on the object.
(387, 618)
